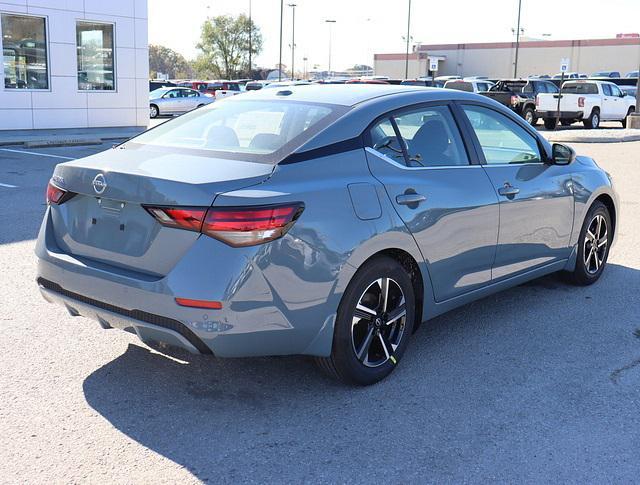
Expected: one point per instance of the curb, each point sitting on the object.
(61, 142)
(571, 137)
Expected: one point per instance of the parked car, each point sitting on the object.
(255, 85)
(330, 222)
(632, 74)
(470, 86)
(605, 75)
(212, 87)
(588, 101)
(174, 101)
(427, 83)
(569, 75)
(629, 90)
(520, 95)
(159, 83)
(367, 81)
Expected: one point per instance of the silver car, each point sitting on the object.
(175, 101)
(329, 221)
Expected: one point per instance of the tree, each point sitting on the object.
(166, 61)
(224, 45)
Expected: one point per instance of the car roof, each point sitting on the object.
(339, 94)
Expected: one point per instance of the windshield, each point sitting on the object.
(260, 131)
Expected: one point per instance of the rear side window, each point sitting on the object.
(606, 89)
(260, 131)
(429, 135)
(579, 88)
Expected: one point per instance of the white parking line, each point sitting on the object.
(36, 153)
(9, 186)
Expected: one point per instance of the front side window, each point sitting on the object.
(24, 50)
(615, 91)
(95, 53)
(502, 140)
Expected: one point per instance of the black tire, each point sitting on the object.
(199, 106)
(630, 112)
(550, 124)
(343, 363)
(154, 111)
(529, 115)
(584, 275)
(593, 121)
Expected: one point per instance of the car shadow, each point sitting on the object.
(469, 378)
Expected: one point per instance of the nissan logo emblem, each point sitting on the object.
(99, 184)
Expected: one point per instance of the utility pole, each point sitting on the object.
(515, 67)
(250, 39)
(406, 60)
(280, 59)
(330, 22)
(293, 40)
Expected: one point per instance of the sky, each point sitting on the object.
(365, 27)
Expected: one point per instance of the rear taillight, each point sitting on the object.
(514, 100)
(581, 102)
(235, 226)
(537, 101)
(55, 195)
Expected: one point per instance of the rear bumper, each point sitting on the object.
(572, 115)
(148, 327)
(272, 304)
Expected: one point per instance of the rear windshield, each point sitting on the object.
(460, 86)
(257, 131)
(580, 88)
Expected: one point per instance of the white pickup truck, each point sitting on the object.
(588, 101)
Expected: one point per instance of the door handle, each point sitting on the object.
(508, 190)
(409, 199)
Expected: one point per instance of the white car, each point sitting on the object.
(588, 101)
(469, 85)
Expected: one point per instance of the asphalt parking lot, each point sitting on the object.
(537, 384)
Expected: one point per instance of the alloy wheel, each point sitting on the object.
(595, 244)
(378, 322)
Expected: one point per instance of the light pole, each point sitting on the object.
(280, 58)
(293, 39)
(330, 22)
(304, 72)
(406, 60)
(515, 67)
(250, 39)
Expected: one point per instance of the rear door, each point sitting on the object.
(536, 199)
(444, 198)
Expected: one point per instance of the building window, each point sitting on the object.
(95, 56)
(24, 52)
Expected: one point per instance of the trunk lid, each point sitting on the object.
(106, 220)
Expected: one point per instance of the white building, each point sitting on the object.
(73, 64)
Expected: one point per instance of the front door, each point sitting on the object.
(446, 202)
(536, 198)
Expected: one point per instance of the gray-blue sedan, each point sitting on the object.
(320, 220)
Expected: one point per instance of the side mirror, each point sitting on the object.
(562, 154)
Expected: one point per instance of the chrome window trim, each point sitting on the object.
(405, 167)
